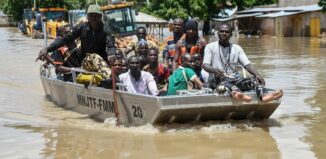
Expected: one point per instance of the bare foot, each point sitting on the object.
(272, 96)
(241, 97)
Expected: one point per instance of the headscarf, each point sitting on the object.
(191, 25)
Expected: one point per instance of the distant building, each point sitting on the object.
(291, 3)
(5, 20)
(289, 18)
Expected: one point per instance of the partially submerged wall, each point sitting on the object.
(267, 26)
(5, 20)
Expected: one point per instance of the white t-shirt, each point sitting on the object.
(213, 56)
(204, 75)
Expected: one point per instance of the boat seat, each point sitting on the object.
(195, 91)
(122, 87)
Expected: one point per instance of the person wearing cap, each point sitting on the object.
(141, 34)
(95, 36)
(191, 44)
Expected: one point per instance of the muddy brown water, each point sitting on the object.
(33, 127)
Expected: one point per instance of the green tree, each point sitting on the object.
(322, 3)
(2, 4)
(15, 7)
(203, 9)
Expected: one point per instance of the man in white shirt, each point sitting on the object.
(138, 81)
(221, 60)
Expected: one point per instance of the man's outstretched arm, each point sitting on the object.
(60, 42)
(252, 70)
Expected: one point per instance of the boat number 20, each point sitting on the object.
(138, 112)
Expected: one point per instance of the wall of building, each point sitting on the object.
(306, 21)
(286, 3)
(267, 27)
(4, 21)
(295, 25)
(287, 26)
(249, 25)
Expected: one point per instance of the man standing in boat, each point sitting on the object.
(221, 60)
(192, 43)
(171, 41)
(141, 34)
(97, 42)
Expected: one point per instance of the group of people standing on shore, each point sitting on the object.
(187, 61)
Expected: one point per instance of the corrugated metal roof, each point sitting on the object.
(238, 16)
(227, 12)
(222, 19)
(307, 8)
(282, 13)
(255, 10)
(278, 14)
(145, 18)
(248, 15)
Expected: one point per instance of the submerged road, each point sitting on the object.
(33, 127)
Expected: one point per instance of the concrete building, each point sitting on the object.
(291, 3)
(288, 18)
(306, 20)
(5, 20)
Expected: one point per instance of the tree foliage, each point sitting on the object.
(322, 3)
(162, 8)
(2, 4)
(197, 8)
(15, 7)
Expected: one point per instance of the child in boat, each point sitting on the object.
(196, 63)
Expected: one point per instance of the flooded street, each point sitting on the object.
(33, 127)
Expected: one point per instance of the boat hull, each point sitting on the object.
(137, 109)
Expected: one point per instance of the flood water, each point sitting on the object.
(33, 127)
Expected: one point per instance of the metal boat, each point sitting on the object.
(139, 109)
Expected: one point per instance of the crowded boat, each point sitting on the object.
(188, 80)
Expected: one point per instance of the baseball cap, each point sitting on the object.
(94, 8)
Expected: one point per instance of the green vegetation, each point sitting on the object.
(1, 4)
(322, 3)
(162, 8)
(197, 8)
(15, 7)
